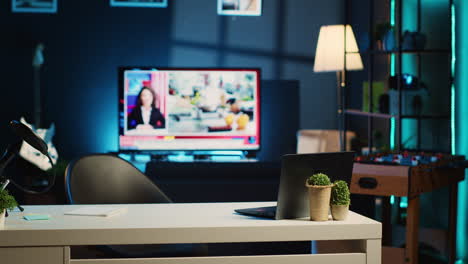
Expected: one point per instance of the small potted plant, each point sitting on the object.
(319, 186)
(383, 34)
(340, 200)
(6, 202)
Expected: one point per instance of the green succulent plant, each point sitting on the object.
(319, 179)
(7, 201)
(340, 193)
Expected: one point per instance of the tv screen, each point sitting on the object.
(189, 109)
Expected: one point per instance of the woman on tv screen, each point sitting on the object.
(145, 115)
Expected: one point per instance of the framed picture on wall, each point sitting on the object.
(139, 3)
(240, 7)
(34, 6)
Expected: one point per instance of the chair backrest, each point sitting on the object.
(319, 140)
(108, 179)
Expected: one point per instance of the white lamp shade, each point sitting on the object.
(330, 52)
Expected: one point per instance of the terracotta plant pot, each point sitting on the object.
(2, 219)
(339, 212)
(319, 201)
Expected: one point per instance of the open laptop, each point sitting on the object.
(293, 199)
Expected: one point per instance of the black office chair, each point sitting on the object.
(108, 179)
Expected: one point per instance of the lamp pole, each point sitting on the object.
(341, 84)
(342, 95)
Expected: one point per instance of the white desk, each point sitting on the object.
(48, 242)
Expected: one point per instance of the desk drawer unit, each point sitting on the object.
(34, 255)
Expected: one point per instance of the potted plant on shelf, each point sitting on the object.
(319, 186)
(340, 200)
(6, 202)
(385, 36)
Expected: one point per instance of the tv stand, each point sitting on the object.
(203, 156)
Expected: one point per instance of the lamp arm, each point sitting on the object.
(10, 153)
(46, 189)
(8, 156)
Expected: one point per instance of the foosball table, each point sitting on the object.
(411, 174)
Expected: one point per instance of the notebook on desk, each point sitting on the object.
(293, 199)
(103, 211)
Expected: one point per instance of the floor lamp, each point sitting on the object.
(337, 51)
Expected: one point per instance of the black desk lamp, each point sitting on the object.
(25, 134)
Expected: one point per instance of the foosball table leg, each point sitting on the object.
(412, 230)
(452, 228)
(386, 222)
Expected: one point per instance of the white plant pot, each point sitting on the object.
(339, 212)
(319, 202)
(2, 219)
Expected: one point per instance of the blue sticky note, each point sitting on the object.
(36, 217)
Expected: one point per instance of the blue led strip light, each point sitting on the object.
(392, 73)
(452, 96)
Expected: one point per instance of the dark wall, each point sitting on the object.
(87, 40)
(84, 43)
(281, 42)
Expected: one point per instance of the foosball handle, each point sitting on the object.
(368, 183)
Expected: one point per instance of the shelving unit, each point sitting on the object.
(432, 65)
(368, 114)
(372, 54)
(387, 52)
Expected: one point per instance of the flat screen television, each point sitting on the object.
(188, 109)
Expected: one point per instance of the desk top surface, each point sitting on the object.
(174, 223)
